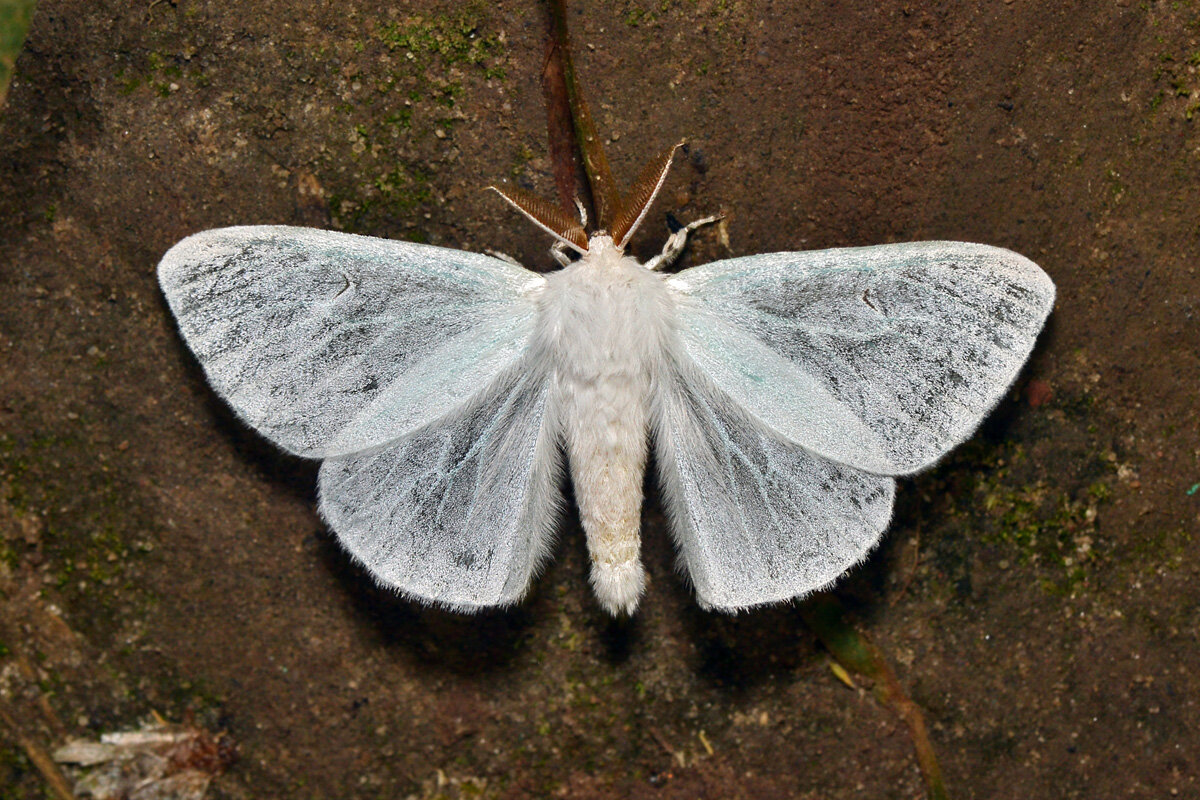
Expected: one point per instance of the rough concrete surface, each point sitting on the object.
(1037, 593)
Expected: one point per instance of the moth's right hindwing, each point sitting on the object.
(331, 344)
(461, 512)
(757, 519)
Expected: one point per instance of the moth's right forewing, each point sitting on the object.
(882, 357)
(329, 343)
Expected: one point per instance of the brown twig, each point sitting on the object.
(665, 745)
(561, 79)
(827, 618)
(570, 180)
(59, 786)
(910, 569)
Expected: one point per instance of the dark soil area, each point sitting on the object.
(1037, 593)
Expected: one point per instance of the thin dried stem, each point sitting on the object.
(827, 618)
(605, 196)
(58, 784)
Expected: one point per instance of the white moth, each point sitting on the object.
(441, 388)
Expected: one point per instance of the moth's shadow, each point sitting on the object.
(459, 643)
(735, 652)
(296, 475)
(463, 644)
(731, 651)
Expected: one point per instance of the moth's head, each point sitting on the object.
(617, 218)
(600, 242)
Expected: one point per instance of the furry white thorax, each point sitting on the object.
(605, 327)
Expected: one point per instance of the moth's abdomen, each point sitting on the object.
(602, 327)
(605, 422)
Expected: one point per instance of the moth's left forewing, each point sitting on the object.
(330, 344)
(883, 358)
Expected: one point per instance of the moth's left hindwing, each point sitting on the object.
(461, 512)
(330, 344)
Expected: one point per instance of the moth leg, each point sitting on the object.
(505, 257)
(558, 251)
(676, 242)
(582, 213)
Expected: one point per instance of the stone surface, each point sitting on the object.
(1037, 593)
